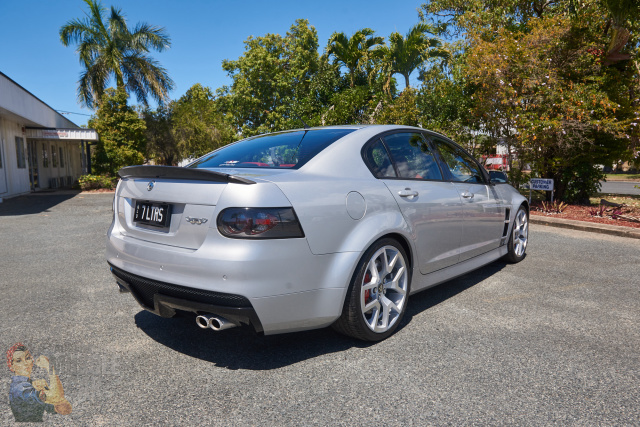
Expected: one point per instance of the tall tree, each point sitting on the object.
(272, 80)
(353, 52)
(161, 147)
(198, 125)
(108, 49)
(548, 96)
(122, 134)
(406, 53)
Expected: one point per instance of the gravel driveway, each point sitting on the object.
(552, 340)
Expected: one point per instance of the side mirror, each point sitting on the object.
(498, 177)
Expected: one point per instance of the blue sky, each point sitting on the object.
(203, 33)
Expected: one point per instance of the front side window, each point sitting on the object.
(22, 163)
(61, 158)
(460, 164)
(412, 156)
(288, 150)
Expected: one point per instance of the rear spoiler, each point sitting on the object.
(175, 172)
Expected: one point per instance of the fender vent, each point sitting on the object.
(507, 214)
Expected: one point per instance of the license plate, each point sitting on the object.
(156, 214)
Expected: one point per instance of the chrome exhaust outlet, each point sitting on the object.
(204, 321)
(220, 324)
(214, 322)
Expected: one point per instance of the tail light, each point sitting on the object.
(259, 223)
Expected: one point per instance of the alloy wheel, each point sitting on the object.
(384, 289)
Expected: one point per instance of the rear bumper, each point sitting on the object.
(281, 285)
(164, 299)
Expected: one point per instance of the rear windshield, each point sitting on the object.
(278, 150)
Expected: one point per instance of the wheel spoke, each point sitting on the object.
(385, 264)
(373, 304)
(373, 271)
(373, 320)
(384, 322)
(394, 285)
(389, 305)
(392, 263)
(369, 286)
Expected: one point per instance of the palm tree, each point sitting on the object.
(108, 49)
(405, 54)
(353, 52)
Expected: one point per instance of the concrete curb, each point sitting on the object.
(614, 230)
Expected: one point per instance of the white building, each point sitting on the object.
(39, 148)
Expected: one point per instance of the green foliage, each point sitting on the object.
(349, 106)
(553, 208)
(272, 80)
(198, 126)
(162, 146)
(96, 182)
(445, 99)
(122, 134)
(401, 111)
(547, 95)
(354, 52)
(582, 180)
(406, 53)
(109, 49)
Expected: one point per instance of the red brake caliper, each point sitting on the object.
(367, 293)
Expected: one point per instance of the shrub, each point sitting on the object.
(94, 182)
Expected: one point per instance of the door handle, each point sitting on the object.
(467, 195)
(407, 192)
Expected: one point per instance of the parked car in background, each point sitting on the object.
(309, 228)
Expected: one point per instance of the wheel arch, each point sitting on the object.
(404, 243)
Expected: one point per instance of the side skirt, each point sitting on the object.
(421, 282)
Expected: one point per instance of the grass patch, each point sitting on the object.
(629, 200)
(623, 177)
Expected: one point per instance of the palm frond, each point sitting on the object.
(107, 49)
(145, 36)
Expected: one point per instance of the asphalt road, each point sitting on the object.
(620, 187)
(552, 340)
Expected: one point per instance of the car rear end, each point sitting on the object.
(223, 246)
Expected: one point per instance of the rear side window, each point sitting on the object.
(412, 156)
(288, 150)
(378, 160)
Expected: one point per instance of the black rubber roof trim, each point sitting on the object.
(175, 172)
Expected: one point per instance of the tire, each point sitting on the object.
(519, 237)
(378, 293)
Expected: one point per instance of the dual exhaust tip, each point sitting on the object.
(216, 323)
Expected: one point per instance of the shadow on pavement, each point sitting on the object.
(34, 203)
(242, 348)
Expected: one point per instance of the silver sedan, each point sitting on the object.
(309, 228)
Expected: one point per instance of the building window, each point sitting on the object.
(45, 155)
(22, 163)
(54, 156)
(61, 158)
